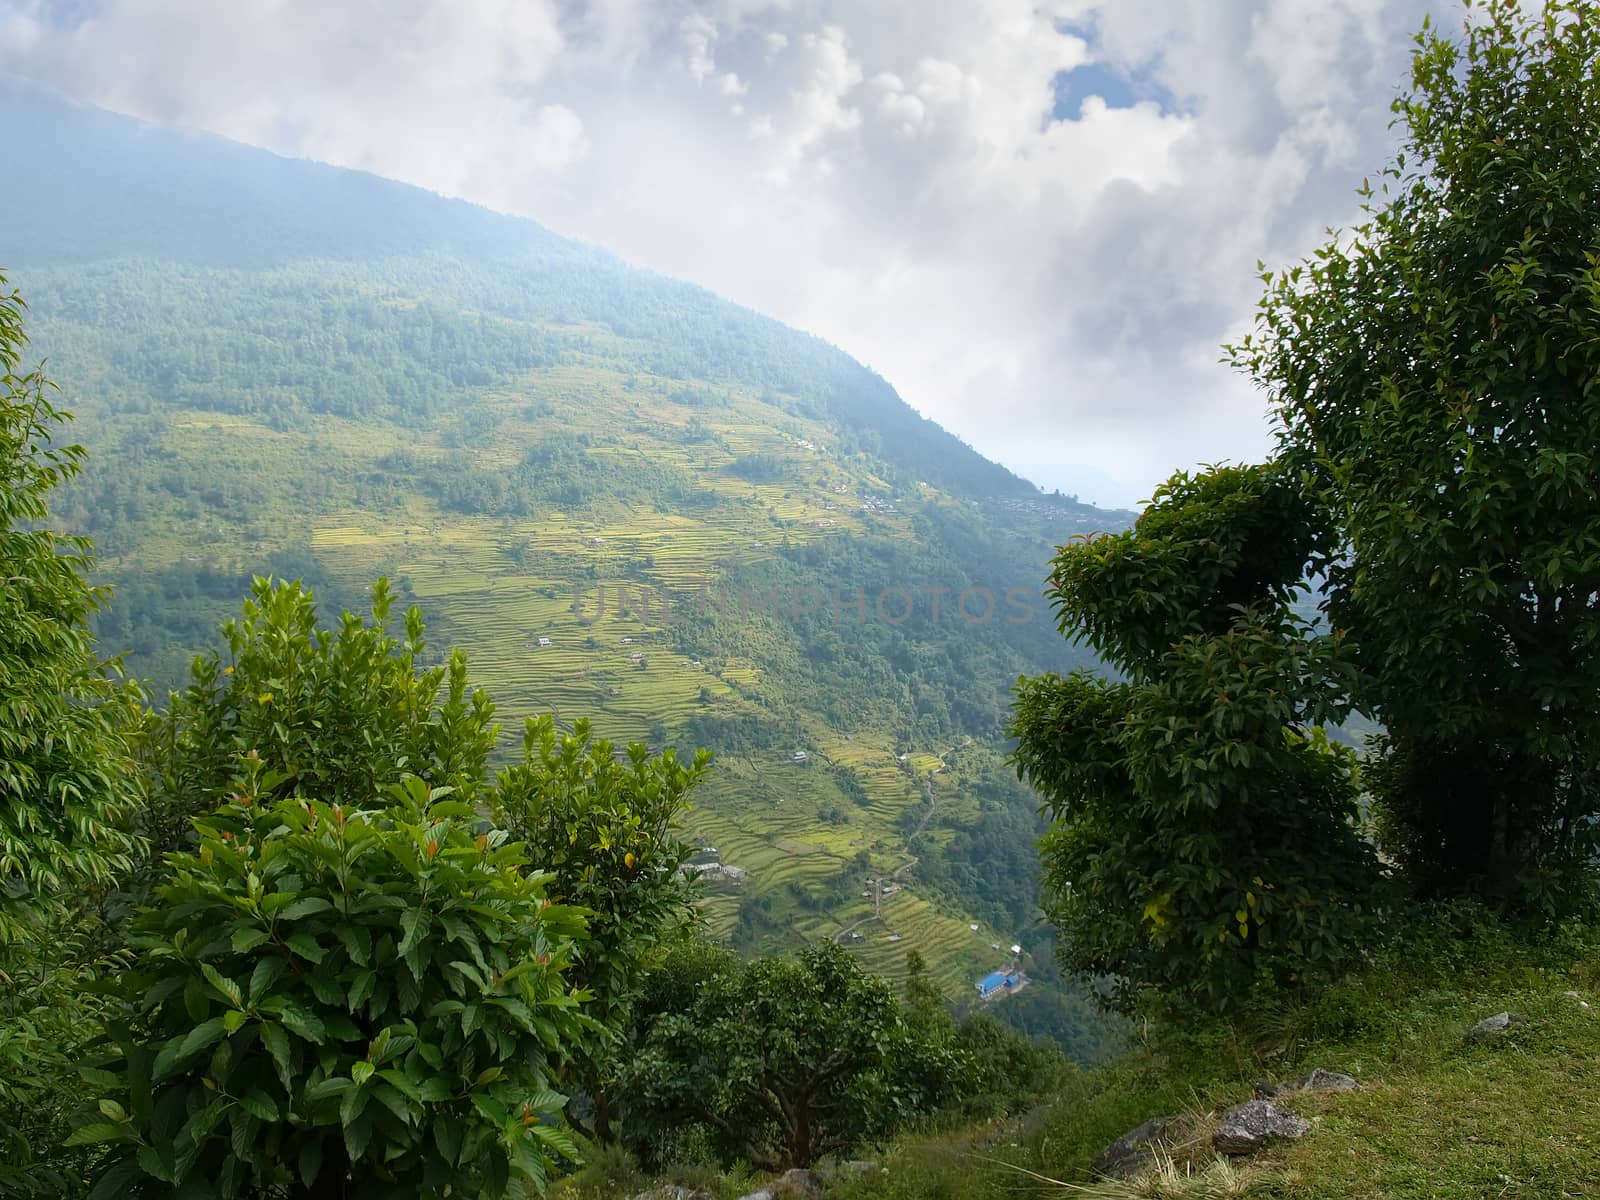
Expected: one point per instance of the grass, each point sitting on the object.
(1439, 1116)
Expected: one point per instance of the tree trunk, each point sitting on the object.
(602, 1117)
(1521, 805)
(800, 1149)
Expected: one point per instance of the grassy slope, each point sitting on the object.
(1439, 1117)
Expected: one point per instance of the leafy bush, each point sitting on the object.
(338, 715)
(342, 1002)
(50, 1010)
(1204, 838)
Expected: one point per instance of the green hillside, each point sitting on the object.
(624, 497)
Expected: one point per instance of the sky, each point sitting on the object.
(1038, 219)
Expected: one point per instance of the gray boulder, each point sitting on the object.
(1316, 1080)
(1248, 1127)
(797, 1184)
(1136, 1150)
(762, 1194)
(668, 1191)
(1495, 1025)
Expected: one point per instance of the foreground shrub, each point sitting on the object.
(342, 1003)
(336, 714)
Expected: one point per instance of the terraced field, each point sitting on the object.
(575, 610)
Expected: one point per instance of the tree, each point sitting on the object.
(1434, 376)
(69, 790)
(606, 831)
(1203, 838)
(338, 1001)
(785, 1059)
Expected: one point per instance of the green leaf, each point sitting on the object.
(304, 907)
(227, 988)
(447, 1137)
(265, 974)
(259, 1105)
(276, 1041)
(202, 1036)
(97, 1134)
(402, 1081)
(246, 940)
(393, 1101)
(310, 1161)
(306, 946)
(157, 1165)
(357, 1134)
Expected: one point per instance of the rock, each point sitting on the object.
(1498, 1023)
(1248, 1127)
(1582, 1003)
(798, 1183)
(668, 1191)
(1136, 1149)
(763, 1194)
(1317, 1080)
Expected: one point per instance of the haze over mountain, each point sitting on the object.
(1038, 217)
(626, 499)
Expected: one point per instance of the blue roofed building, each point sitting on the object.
(996, 981)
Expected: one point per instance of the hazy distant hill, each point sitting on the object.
(624, 497)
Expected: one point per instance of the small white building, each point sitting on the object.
(799, 756)
(544, 641)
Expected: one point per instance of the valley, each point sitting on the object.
(625, 500)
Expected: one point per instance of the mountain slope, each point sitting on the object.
(625, 498)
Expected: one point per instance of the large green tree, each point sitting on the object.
(68, 787)
(1434, 373)
(69, 791)
(783, 1059)
(1203, 838)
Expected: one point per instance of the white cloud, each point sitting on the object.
(891, 176)
(698, 34)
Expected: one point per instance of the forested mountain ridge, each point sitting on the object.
(625, 498)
